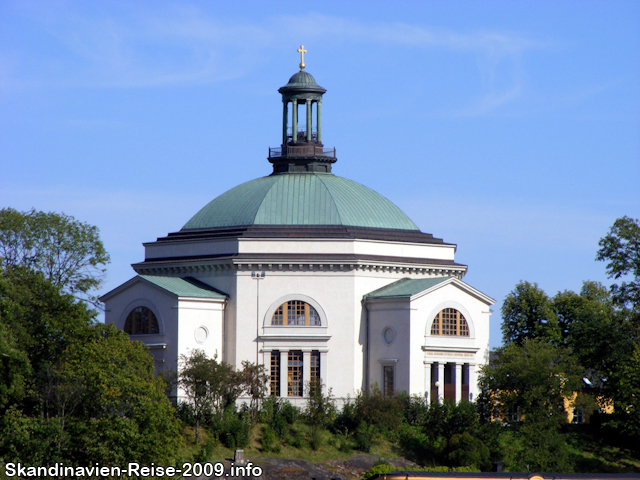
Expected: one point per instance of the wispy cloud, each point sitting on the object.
(183, 45)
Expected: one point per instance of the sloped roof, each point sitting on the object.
(301, 199)
(184, 287)
(406, 287)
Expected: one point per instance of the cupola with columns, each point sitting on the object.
(302, 149)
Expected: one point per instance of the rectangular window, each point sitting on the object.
(275, 373)
(513, 414)
(578, 415)
(388, 374)
(294, 374)
(314, 360)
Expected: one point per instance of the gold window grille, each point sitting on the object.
(141, 321)
(450, 321)
(314, 369)
(278, 316)
(297, 313)
(294, 374)
(388, 374)
(275, 373)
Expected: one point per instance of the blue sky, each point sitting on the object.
(511, 128)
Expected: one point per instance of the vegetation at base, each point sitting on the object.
(520, 418)
(77, 392)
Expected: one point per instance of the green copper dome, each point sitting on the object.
(301, 82)
(301, 199)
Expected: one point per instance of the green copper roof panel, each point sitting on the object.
(298, 200)
(301, 199)
(406, 287)
(361, 206)
(184, 287)
(235, 207)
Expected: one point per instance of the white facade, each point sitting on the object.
(349, 339)
(312, 275)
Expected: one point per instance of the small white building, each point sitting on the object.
(314, 276)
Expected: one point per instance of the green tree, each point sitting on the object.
(123, 414)
(43, 320)
(533, 378)
(254, 380)
(15, 369)
(210, 386)
(621, 248)
(528, 385)
(320, 411)
(68, 252)
(74, 391)
(197, 383)
(594, 329)
(527, 313)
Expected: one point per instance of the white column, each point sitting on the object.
(324, 369)
(473, 381)
(427, 380)
(306, 371)
(284, 372)
(458, 382)
(440, 381)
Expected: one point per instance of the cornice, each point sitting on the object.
(300, 263)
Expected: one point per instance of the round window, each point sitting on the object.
(201, 335)
(388, 335)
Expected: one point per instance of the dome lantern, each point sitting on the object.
(302, 149)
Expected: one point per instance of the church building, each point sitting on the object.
(316, 277)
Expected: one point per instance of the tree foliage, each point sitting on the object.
(254, 379)
(528, 385)
(74, 391)
(534, 378)
(68, 252)
(621, 248)
(212, 387)
(527, 313)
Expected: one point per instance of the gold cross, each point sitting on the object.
(302, 52)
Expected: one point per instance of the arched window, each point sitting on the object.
(140, 321)
(450, 321)
(295, 312)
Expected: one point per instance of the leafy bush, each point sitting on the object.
(289, 412)
(185, 413)
(234, 429)
(465, 450)
(278, 414)
(418, 446)
(363, 437)
(414, 408)
(206, 450)
(268, 438)
(316, 439)
(384, 413)
(347, 419)
(294, 438)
